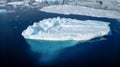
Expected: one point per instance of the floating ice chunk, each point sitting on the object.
(66, 29)
(39, 0)
(16, 3)
(50, 1)
(2, 11)
(49, 36)
(81, 10)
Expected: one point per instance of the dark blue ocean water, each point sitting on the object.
(14, 51)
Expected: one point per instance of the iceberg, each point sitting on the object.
(2, 11)
(49, 36)
(81, 10)
(50, 1)
(16, 3)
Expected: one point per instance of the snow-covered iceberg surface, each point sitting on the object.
(16, 3)
(81, 10)
(49, 36)
(2, 11)
(50, 1)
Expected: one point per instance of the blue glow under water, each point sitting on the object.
(16, 52)
(2, 11)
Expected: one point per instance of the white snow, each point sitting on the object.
(49, 1)
(99, 4)
(81, 10)
(39, 0)
(60, 29)
(16, 3)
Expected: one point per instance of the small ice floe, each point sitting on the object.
(3, 11)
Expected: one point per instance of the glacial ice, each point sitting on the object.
(50, 1)
(51, 35)
(2, 11)
(81, 10)
(16, 3)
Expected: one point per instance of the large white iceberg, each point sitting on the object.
(49, 36)
(81, 10)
